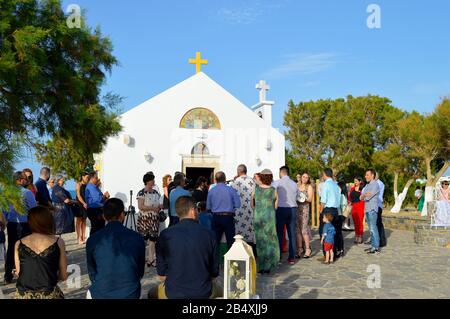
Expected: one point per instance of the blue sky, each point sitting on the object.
(304, 49)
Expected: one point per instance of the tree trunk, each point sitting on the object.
(431, 184)
(429, 175)
(400, 198)
(396, 185)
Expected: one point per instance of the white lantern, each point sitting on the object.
(240, 271)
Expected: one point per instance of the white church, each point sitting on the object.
(195, 127)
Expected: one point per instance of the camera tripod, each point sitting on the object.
(130, 215)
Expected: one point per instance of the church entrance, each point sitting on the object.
(193, 173)
(194, 166)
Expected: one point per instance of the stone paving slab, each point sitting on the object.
(406, 271)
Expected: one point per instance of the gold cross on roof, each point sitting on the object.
(198, 62)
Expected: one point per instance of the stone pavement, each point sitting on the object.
(405, 271)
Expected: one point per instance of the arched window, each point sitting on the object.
(200, 149)
(200, 118)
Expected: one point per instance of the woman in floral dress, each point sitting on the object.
(148, 221)
(265, 202)
(304, 199)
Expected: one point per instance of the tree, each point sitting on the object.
(305, 133)
(395, 160)
(50, 81)
(63, 155)
(437, 142)
(341, 134)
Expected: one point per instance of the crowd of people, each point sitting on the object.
(179, 231)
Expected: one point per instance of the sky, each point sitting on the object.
(305, 50)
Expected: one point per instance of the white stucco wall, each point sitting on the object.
(154, 128)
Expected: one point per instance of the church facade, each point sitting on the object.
(195, 127)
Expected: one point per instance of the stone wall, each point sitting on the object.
(396, 221)
(437, 236)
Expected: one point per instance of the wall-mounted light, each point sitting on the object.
(269, 145)
(148, 157)
(126, 139)
(258, 161)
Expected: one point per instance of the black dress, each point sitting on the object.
(38, 277)
(78, 210)
(200, 196)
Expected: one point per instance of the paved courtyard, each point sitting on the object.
(405, 271)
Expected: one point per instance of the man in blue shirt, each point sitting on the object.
(17, 224)
(330, 201)
(380, 225)
(223, 201)
(179, 181)
(370, 196)
(43, 195)
(187, 259)
(286, 213)
(95, 200)
(115, 257)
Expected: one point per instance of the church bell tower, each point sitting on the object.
(264, 108)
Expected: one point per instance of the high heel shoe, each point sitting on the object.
(307, 253)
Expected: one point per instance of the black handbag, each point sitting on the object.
(162, 216)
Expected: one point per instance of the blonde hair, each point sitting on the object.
(165, 180)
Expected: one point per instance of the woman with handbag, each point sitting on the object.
(149, 206)
(304, 199)
(357, 209)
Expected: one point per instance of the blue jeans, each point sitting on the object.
(287, 216)
(371, 218)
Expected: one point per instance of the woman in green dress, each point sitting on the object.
(264, 203)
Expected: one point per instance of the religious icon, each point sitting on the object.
(200, 118)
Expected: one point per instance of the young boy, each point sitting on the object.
(204, 216)
(328, 238)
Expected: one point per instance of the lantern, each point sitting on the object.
(240, 271)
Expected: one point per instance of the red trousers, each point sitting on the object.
(358, 218)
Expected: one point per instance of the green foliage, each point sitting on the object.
(64, 155)
(342, 134)
(50, 82)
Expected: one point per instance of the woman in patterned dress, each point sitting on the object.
(149, 206)
(304, 200)
(62, 202)
(265, 202)
(244, 186)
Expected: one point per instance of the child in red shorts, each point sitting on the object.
(328, 238)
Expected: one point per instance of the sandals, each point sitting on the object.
(151, 264)
(299, 254)
(309, 255)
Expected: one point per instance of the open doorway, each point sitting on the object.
(193, 173)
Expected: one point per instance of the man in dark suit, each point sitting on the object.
(187, 258)
(115, 257)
